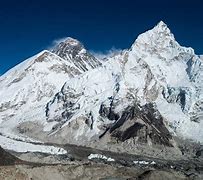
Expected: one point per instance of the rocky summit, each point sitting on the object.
(146, 101)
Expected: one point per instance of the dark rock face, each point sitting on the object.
(89, 121)
(127, 114)
(72, 50)
(7, 159)
(68, 105)
(130, 132)
(143, 123)
(198, 109)
(108, 112)
(199, 153)
(173, 95)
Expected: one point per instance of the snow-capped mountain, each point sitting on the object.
(26, 88)
(148, 95)
(73, 51)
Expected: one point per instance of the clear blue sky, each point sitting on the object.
(29, 26)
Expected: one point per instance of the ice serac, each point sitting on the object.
(73, 51)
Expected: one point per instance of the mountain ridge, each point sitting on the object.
(143, 99)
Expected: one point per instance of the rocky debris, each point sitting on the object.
(104, 165)
(44, 158)
(89, 171)
(159, 175)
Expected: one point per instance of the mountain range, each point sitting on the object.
(148, 99)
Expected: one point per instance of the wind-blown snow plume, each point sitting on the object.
(106, 54)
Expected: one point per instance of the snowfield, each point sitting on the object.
(19, 146)
(144, 162)
(100, 156)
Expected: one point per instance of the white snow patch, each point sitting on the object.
(19, 146)
(144, 162)
(100, 156)
(153, 162)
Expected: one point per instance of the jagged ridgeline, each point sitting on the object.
(145, 99)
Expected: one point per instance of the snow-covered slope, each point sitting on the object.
(26, 88)
(156, 75)
(146, 95)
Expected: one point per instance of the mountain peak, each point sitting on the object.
(68, 46)
(72, 50)
(71, 41)
(161, 24)
(160, 41)
(162, 27)
(157, 39)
